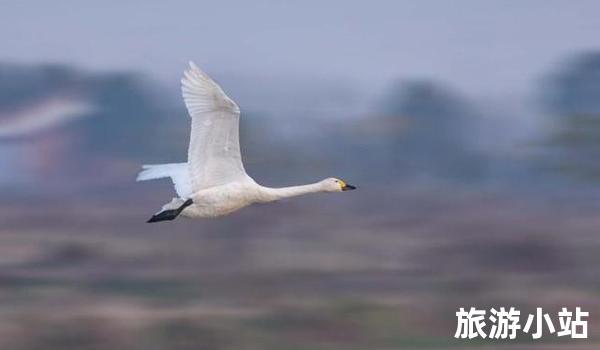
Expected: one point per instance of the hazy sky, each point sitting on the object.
(478, 46)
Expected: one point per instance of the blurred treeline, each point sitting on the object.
(417, 130)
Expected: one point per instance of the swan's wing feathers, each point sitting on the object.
(202, 94)
(214, 152)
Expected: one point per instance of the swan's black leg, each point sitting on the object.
(168, 215)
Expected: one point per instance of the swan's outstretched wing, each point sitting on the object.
(214, 154)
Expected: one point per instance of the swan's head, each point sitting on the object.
(333, 184)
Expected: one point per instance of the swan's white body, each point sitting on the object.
(214, 177)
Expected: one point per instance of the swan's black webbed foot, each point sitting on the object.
(171, 214)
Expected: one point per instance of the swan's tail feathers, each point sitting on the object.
(170, 214)
(158, 171)
(178, 172)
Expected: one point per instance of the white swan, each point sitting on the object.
(213, 182)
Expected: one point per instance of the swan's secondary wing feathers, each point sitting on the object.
(214, 154)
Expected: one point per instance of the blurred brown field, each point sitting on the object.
(380, 270)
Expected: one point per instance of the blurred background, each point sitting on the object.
(471, 128)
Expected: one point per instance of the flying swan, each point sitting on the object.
(213, 182)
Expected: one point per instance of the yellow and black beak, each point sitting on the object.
(348, 187)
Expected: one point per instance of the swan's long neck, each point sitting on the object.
(272, 194)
